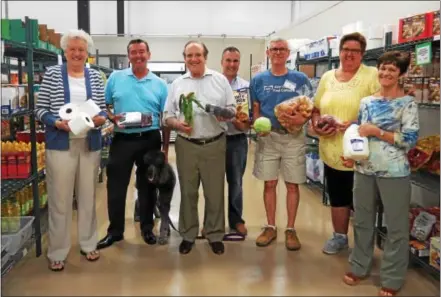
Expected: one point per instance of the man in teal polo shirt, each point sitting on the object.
(135, 89)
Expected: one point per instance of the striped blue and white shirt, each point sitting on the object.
(51, 99)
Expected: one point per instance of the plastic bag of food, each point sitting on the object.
(355, 147)
(422, 226)
(291, 107)
(329, 121)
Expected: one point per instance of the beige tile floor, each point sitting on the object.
(133, 268)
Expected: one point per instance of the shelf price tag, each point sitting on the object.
(423, 53)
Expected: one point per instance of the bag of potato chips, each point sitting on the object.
(293, 106)
(242, 104)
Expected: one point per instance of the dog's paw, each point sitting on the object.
(163, 240)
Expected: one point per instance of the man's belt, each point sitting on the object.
(202, 141)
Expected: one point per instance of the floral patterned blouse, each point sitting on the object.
(400, 116)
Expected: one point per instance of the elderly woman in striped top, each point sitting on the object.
(72, 161)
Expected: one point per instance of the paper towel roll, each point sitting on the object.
(81, 123)
(90, 107)
(68, 111)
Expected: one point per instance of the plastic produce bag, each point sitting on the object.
(355, 147)
(329, 121)
(422, 226)
(299, 104)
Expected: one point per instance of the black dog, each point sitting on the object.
(161, 175)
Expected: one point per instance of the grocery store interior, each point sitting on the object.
(30, 42)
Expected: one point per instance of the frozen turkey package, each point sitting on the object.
(422, 226)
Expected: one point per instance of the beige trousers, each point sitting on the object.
(65, 170)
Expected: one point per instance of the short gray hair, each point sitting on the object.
(278, 39)
(76, 34)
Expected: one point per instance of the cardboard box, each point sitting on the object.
(434, 252)
(416, 27)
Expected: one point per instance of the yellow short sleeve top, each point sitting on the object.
(342, 100)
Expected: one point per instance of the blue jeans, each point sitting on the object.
(236, 162)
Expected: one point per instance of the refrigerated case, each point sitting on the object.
(168, 71)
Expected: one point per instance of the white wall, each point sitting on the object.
(58, 15)
(233, 18)
(170, 49)
(333, 18)
(103, 17)
(245, 18)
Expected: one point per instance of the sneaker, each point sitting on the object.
(268, 235)
(336, 244)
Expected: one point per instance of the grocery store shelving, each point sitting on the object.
(422, 262)
(426, 180)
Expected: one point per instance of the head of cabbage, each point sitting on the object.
(262, 125)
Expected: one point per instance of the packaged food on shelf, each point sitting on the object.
(418, 89)
(434, 84)
(422, 226)
(419, 249)
(6, 129)
(422, 153)
(298, 105)
(10, 216)
(435, 66)
(425, 90)
(16, 159)
(405, 32)
(414, 69)
(434, 252)
(435, 22)
(409, 85)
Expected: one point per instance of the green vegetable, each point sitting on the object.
(186, 106)
(262, 124)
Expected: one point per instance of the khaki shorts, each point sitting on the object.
(284, 153)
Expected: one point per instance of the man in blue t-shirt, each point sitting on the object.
(279, 151)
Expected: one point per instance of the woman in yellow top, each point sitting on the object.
(338, 95)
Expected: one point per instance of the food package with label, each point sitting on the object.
(414, 70)
(434, 86)
(422, 153)
(422, 226)
(355, 147)
(302, 105)
(242, 104)
(435, 23)
(434, 252)
(16, 159)
(419, 248)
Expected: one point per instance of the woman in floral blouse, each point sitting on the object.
(390, 121)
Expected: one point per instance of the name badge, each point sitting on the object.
(289, 85)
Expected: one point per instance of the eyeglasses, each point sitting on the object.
(351, 50)
(278, 49)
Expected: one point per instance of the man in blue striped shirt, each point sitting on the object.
(134, 89)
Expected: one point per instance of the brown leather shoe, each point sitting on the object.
(240, 227)
(268, 235)
(292, 242)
